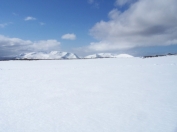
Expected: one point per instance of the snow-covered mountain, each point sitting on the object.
(47, 55)
(65, 55)
(106, 55)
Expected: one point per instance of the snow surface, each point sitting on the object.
(47, 55)
(91, 95)
(106, 55)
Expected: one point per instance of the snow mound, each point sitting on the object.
(47, 55)
(123, 55)
(107, 55)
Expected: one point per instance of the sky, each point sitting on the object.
(136, 27)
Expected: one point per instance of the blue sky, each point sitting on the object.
(88, 26)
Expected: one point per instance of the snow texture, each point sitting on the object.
(89, 95)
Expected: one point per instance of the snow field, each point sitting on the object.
(99, 95)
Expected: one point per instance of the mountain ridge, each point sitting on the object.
(48, 55)
(65, 55)
(107, 55)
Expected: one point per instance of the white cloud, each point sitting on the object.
(29, 18)
(45, 45)
(42, 23)
(69, 36)
(106, 46)
(90, 1)
(145, 23)
(123, 2)
(2, 25)
(94, 3)
(16, 45)
(15, 14)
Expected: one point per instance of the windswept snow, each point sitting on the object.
(89, 95)
(106, 55)
(48, 55)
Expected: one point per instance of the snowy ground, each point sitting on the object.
(99, 95)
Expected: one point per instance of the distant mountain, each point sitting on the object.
(47, 55)
(150, 56)
(6, 58)
(57, 55)
(107, 55)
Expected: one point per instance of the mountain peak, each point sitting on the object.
(65, 55)
(48, 55)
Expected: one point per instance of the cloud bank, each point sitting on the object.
(144, 23)
(69, 36)
(15, 46)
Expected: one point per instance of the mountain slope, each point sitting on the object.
(65, 55)
(47, 55)
(107, 55)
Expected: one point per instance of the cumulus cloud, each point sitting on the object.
(144, 23)
(12, 46)
(29, 18)
(69, 36)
